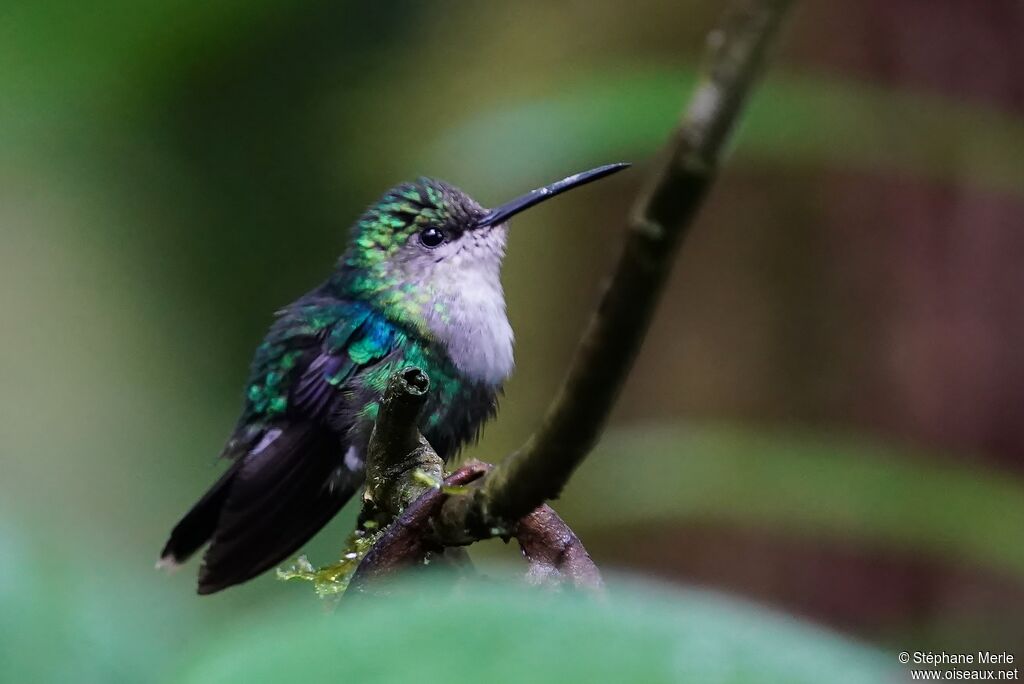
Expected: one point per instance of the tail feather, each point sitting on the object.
(266, 506)
(197, 526)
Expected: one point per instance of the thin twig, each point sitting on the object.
(540, 469)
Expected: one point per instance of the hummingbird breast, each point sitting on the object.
(468, 317)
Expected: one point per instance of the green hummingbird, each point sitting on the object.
(419, 285)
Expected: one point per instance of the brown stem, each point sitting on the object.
(554, 553)
(406, 541)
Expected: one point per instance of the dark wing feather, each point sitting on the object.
(353, 345)
(288, 361)
(316, 389)
(195, 529)
(278, 499)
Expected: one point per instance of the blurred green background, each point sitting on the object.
(827, 418)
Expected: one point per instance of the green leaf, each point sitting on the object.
(73, 617)
(499, 633)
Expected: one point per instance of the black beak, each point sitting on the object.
(506, 211)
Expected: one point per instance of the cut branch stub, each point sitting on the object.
(400, 463)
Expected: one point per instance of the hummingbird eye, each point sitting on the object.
(431, 237)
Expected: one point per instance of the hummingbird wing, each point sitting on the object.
(281, 496)
(299, 361)
(289, 474)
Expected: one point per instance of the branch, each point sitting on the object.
(554, 553)
(400, 463)
(405, 542)
(540, 469)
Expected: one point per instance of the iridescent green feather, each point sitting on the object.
(375, 325)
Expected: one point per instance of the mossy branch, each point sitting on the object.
(540, 469)
(407, 541)
(400, 464)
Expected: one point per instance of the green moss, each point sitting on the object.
(333, 579)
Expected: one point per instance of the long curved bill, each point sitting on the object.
(509, 209)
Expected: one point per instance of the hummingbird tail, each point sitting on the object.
(266, 506)
(198, 525)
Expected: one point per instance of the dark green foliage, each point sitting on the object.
(494, 633)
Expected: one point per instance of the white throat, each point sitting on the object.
(467, 312)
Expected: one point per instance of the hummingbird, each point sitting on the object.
(419, 284)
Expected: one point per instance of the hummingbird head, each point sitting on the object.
(429, 256)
